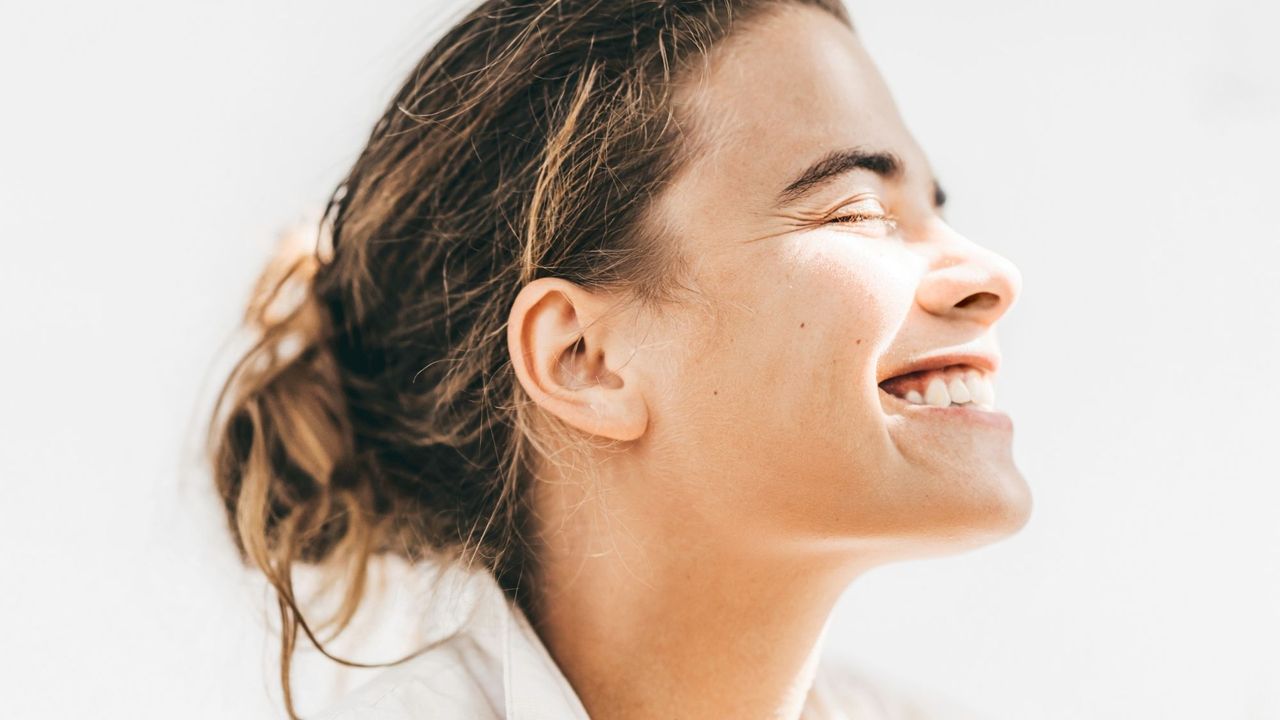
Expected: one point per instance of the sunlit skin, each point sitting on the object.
(746, 465)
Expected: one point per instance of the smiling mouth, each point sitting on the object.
(951, 386)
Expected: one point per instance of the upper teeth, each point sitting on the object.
(955, 386)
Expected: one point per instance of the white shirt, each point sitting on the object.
(496, 667)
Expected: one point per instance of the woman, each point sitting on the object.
(641, 315)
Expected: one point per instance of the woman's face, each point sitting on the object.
(768, 421)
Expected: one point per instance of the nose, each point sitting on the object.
(969, 282)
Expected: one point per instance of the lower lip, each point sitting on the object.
(959, 413)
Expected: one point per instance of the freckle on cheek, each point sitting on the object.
(858, 342)
(801, 324)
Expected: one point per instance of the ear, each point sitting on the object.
(573, 362)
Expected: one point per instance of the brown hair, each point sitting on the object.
(377, 411)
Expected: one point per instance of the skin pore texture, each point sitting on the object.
(745, 467)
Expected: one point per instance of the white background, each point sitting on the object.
(1124, 155)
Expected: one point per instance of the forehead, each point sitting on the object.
(774, 96)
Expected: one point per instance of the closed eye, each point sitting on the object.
(890, 222)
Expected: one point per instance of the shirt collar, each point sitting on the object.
(534, 688)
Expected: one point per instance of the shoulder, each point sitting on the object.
(845, 690)
(451, 681)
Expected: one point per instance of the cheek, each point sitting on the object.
(791, 345)
(777, 380)
(852, 294)
(856, 297)
(860, 292)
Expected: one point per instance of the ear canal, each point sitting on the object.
(569, 365)
(607, 377)
(582, 368)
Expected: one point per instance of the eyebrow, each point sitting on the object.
(838, 162)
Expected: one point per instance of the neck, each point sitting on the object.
(663, 623)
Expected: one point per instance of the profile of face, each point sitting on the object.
(830, 392)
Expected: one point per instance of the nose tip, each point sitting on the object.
(971, 282)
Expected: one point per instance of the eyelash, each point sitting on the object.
(888, 220)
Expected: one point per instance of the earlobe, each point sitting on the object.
(572, 362)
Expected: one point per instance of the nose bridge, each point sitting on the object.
(965, 279)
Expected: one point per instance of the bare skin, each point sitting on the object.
(746, 466)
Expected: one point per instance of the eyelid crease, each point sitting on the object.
(863, 200)
(868, 203)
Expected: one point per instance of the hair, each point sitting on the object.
(377, 412)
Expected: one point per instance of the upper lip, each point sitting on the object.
(988, 362)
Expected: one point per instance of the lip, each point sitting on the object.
(962, 414)
(988, 362)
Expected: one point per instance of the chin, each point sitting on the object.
(998, 506)
(1014, 509)
(959, 508)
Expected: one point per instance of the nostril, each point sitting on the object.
(980, 300)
